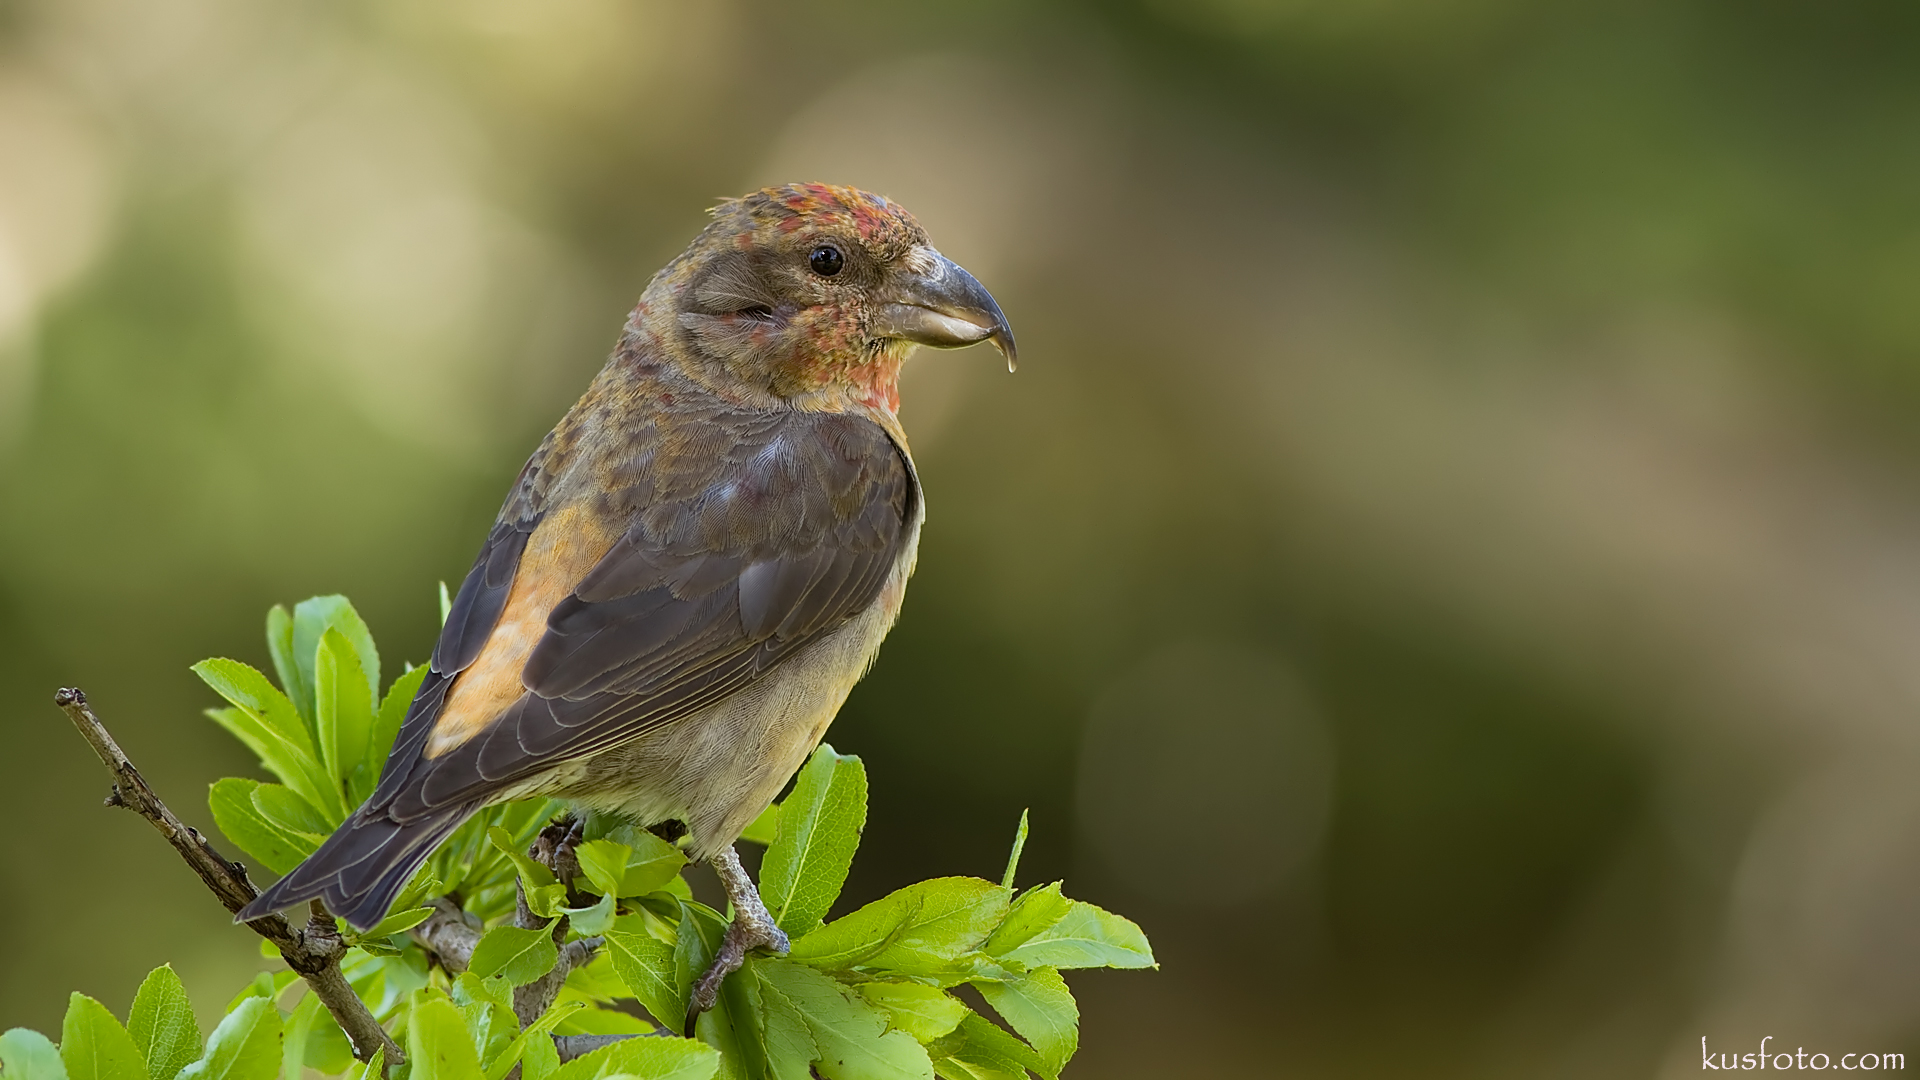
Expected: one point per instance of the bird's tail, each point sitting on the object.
(362, 867)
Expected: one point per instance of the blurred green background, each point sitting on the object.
(1448, 565)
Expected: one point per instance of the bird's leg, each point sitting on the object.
(752, 928)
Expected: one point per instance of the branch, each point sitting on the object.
(314, 952)
(449, 935)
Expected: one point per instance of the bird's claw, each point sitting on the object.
(743, 934)
(752, 928)
(553, 848)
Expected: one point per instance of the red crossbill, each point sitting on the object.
(695, 566)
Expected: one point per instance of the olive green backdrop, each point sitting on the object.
(1449, 564)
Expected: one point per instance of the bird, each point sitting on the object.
(696, 564)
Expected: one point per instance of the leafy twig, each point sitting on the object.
(314, 952)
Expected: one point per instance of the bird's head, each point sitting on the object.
(815, 294)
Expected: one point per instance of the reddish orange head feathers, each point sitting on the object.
(815, 294)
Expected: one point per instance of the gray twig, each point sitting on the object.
(449, 935)
(313, 951)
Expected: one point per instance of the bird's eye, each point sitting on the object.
(826, 260)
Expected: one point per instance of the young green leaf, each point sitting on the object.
(924, 1012)
(763, 829)
(327, 1047)
(94, 1046)
(979, 1050)
(295, 1033)
(1033, 911)
(593, 919)
(519, 955)
(162, 1024)
(605, 864)
(277, 849)
(393, 710)
(280, 647)
(1039, 1007)
(652, 864)
(312, 618)
(922, 929)
(372, 1069)
(401, 921)
(850, 1037)
(280, 805)
(438, 1046)
(1013, 858)
(28, 1055)
(819, 831)
(645, 1059)
(645, 964)
(342, 706)
(1084, 937)
(245, 1046)
(538, 1031)
(446, 604)
(264, 720)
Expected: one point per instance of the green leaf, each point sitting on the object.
(468, 987)
(280, 805)
(1013, 858)
(545, 896)
(819, 831)
(162, 1024)
(592, 919)
(1039, 1007)
(922, 929)
(246, 1045)
(531, 872)
(763, 829)
(652, 865)
(393, 710)
(851, 1039)
(1086, 936)
(645, 964)
(95, 1047)
(312, 618)
(924, 1012)
(1033, 911)
(28, 1055)
(605, 864)
(979, 1050)
(294, 1035)
(539, 1061)
(520, 955)
(438, 1046)
(372, 1069)
(327, 1047)
(399, 922)
(342, 706)
(538, 1031)
(446, 604)
(234, 811)
(266, 722)
(280, 647)
(662, 1058)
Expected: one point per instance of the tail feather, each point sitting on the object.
(361, 868)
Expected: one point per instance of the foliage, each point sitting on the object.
(867, 996)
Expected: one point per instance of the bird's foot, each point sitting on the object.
(752, 928)
(553, 848)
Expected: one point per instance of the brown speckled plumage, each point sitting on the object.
(699, 561)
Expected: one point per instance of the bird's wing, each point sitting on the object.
(732, 558)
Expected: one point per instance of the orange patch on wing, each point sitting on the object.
(559, 553)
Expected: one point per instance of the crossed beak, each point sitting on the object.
(945, 307)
